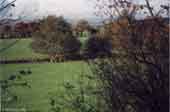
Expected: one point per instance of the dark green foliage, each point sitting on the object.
(72, 45)
(96, 46)
(54, 37)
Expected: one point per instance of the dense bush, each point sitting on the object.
(96, 46)
(72, 45)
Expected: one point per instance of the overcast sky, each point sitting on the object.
(74, 9)
(69, 8)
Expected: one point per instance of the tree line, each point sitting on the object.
(136, 76)
(56, 38)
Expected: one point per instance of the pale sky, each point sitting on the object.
(74, 9)
(69, 8)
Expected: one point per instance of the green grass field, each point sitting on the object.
(45, 78)
(11, 49)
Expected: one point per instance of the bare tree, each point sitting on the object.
(6, 4)
(135, 78)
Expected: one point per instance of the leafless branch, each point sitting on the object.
(2, 7)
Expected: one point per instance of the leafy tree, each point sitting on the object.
(98, 46)
(55, 37)
(82, 28)
(72, 46)
(82, 25)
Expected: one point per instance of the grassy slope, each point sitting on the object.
(19, 50)
(45, 79)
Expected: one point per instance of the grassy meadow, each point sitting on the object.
(12, 49)
(46, 78)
